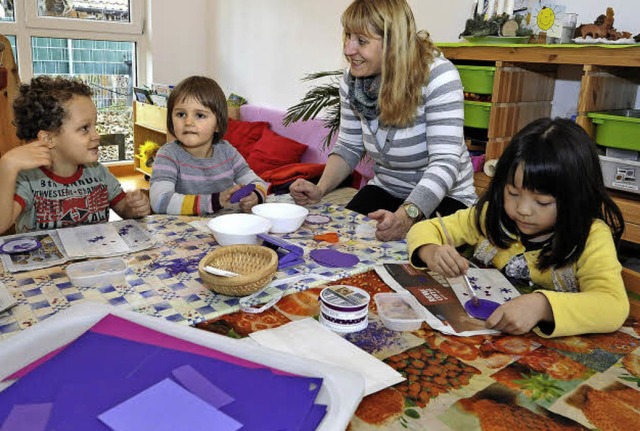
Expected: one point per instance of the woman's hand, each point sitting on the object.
(304, 192)
(391, 226)
(521, 314)
(443, 259)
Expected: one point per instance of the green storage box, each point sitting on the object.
(618, 128)
(476, 114)
(477, 79)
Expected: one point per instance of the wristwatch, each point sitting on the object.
(413, 212)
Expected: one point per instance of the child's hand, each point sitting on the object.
(137, 204)
(521, 314)
(248, 202)
(443, 259)
(28, 156)
(225, 196)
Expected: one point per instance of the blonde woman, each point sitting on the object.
(402, 105)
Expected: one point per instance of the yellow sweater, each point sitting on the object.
(588, 297)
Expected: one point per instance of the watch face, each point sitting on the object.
(412, 211)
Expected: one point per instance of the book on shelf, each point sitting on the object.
(443, 299)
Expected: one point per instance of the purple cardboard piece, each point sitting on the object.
(334, 258)
(315, 416)
(28, 417)
(199, 386)
(483, 310)
(167, 406)
(242, 192)
(263, 399)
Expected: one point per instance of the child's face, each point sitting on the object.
(77, 141)
(532, 212)
(195, 125)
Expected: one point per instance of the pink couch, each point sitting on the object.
(310, 132)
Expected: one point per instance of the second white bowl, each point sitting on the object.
(284, 217)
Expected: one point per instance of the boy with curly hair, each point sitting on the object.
(55, 180)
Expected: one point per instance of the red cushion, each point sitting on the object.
(244, 134)
(272, 151)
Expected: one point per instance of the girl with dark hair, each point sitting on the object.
(199, 171)
(545, 218)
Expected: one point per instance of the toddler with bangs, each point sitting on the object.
(198, 172)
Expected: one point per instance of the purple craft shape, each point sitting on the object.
(483, 310)
(20, 245)
(318, 219)
(242, 192)
(334, 258)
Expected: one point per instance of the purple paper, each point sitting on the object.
(483, 310)
(195, 383)
(334, 258)
(167, 406)
(262, 398)
(315, 416)
(28, 417)
(242, 192)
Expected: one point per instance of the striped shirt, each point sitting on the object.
(183, 184)
(422, 163)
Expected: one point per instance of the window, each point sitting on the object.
(100, 42)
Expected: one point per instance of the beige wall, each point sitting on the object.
(261, 48)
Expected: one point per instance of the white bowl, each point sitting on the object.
(232, 229)
(284, 217)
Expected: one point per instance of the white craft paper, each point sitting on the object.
(308, 339)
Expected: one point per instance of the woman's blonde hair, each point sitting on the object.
(407, 54)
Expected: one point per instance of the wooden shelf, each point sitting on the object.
(602, 55)
(525, 78)
(149, 124)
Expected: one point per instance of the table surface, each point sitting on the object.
(488, 382)
(482, 382)
(164, 281)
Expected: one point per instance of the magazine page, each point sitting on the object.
(445, 311)
(55, 247)
(48, 253)
(92, 241)
(103, 240)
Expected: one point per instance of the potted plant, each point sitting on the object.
(323, 98)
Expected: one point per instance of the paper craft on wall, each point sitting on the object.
(547, 18)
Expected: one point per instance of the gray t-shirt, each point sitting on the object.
(49, 201)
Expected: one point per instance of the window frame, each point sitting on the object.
(33, 20)
(27, 25)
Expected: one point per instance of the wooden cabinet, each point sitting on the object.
(149, 124)
(524, 77)
(524, 82)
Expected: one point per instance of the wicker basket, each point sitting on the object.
(255, 264)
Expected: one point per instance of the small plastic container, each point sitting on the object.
(477, 79)
(100, 272)
(476, 114)
(399, 311)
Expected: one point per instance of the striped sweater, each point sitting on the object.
(183, 184)
(422, 163)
